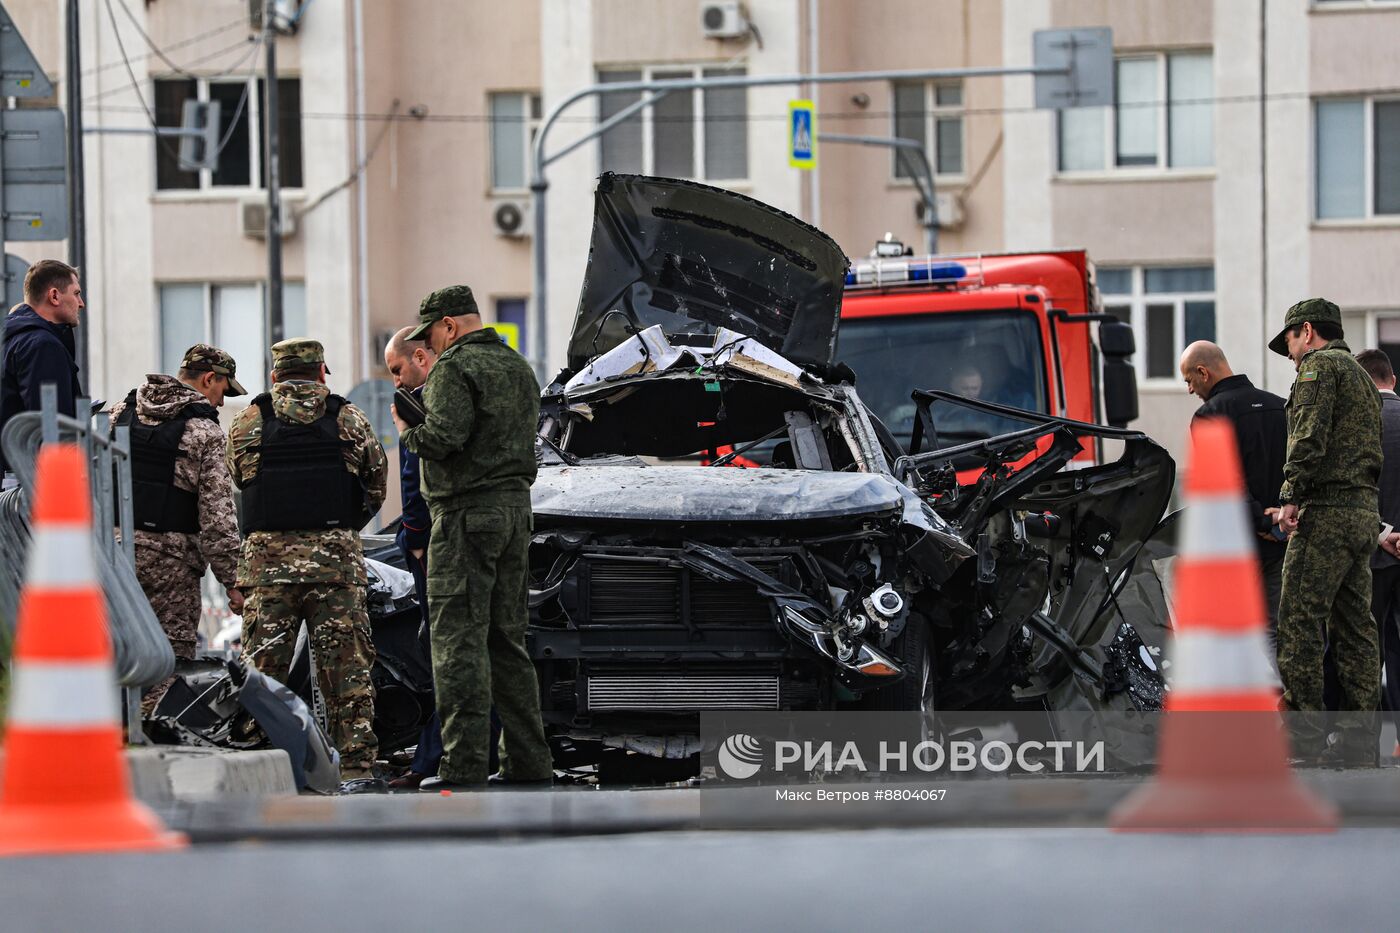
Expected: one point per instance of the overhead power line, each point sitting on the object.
(182, 43)
(160, 53)
(250, 44)
(834, 115)
(150, 114)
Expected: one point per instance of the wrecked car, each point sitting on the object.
(721, 523)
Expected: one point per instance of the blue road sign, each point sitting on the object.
(802, 134)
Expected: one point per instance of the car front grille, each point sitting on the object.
(626, 593)
(682, 692)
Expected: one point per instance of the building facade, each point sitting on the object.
(1252, 159)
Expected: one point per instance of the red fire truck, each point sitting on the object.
(1017, 329)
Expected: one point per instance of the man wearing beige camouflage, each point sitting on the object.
(312, 473)
(182, 499)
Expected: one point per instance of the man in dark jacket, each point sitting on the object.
(408, 366)
(39, 344)
(1385, 568)
(1261, 431)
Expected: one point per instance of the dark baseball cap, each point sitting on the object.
(1309, 310)
(452, 301)
(202, 358)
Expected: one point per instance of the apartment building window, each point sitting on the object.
(230, 316)
(515, 118)
(1162, 118)
(1357, 153)
(242, 130)
(932, 113)
(700, 133)
(1168, 308)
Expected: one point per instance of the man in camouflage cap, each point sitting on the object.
(1329, 506)
(182, 498)
(312, 473)
(477, 460)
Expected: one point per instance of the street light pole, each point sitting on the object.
(539, 182)
(914, 158)
(77, 219)
(272, 167)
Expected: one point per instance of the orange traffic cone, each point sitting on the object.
(1223, 755)
(64, 786)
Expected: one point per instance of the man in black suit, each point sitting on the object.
(1385, 568)
(1261, 431)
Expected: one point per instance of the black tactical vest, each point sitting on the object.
(302, 483)
(158, 504)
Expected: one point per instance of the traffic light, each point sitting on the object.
(199, 136)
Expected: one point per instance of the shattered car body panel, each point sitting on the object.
(844, 573)
(692, 259)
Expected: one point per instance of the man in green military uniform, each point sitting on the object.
(312, 473)
(1329, 506)
(477, 459)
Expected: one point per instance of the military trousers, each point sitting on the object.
(173, 589)
(478, 567)
(338, 625)
(1326, 601)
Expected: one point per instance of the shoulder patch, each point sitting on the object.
(1307, 377)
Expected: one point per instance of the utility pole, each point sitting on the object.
(271, 118)
(77, 226)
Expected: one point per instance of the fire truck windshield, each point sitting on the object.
(991, 355)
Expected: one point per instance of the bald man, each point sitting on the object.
(1261, 430)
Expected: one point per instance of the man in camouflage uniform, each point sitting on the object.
(310, 574)
(1329, 506)
(477, 456)
(177, 536)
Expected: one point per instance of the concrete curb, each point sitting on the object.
(208, 773)
(1365, 799)
(163, 775)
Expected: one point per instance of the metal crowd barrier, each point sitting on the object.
(141, 648)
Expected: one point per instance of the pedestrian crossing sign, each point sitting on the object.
(802, 134)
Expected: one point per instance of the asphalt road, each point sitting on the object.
(1043, 879)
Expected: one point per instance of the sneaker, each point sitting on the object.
(436, 784)
(364, 785)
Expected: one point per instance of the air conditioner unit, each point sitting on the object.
(724, 20)
(950, 210)
(512, 219)
(252, 218)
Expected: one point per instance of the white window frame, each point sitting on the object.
(1372, 318)
(207, 291)
(1368, 159)
(696, 70)
(1351, 5)
(1110, 140)
(933, 112)
(207, 188)
(1137, 302)
(533, 109)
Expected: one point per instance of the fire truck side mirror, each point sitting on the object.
(1120, 394)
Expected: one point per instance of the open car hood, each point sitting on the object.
(693, 259)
